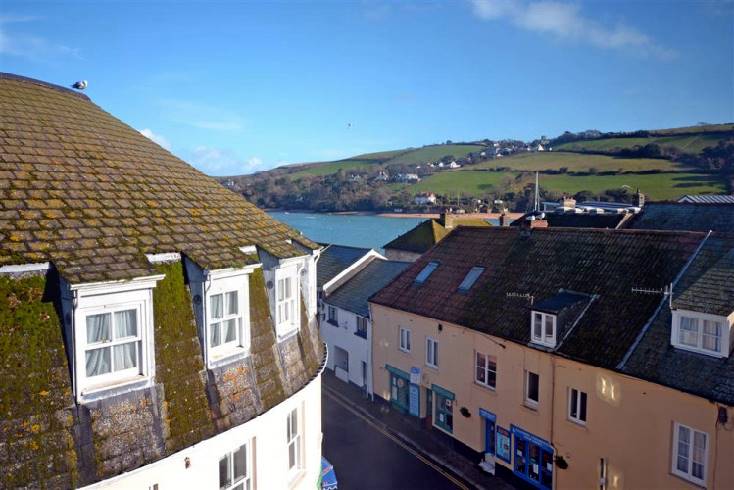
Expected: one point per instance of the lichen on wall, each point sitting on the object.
(36, 443)
(179, 364)
(263, 344)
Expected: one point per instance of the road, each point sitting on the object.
(365, 458)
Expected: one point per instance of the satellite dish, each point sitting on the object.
(80, 85)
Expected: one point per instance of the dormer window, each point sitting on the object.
(425, 273)
(113, 337)
(227, 318)
(700, 332)
(543, 329)
(287, 291)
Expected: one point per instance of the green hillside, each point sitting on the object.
(685, 143)
(575, 162)
(326, 168)
(660, 186)
(433, 153)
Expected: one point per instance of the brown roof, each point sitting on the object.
(520, 264)
(83, 190)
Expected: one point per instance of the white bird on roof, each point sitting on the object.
(80, 85)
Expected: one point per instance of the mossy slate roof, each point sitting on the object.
(83, 190)
(685, 216)
(428, 233)
(539, 263)
(706, 286)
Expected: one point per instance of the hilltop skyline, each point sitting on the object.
(237, 88)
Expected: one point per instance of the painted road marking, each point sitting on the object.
(334, 396)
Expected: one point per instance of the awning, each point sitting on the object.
(327, 480)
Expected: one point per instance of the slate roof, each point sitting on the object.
(685, 216)
(428, 233)
(336, 258)
(708, 284)
(708, 198)
(522, 264)
(83, 190)
(581, 220)
(656, 360)
(560, 301)
(353, 294)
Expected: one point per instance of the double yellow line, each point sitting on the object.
(337, 398)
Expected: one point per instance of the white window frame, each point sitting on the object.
(544, 338)
(486, 370)
(688, 474)
(294, 439)
(526, 391)
(223, 283)
(579, 395)
(432, 352)
(246, 481)
(725, 338)
(287, 311)
(100, 298)
(405, 334)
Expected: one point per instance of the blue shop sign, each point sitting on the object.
(518, 432)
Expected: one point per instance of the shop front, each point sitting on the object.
(399, 388)
(489, 421)
(533, 458)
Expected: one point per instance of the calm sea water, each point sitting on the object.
(354, 230)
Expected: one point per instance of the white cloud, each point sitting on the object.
(34, 48)
(220, 161)
(565, 20)
(202, 116)
(157, 138)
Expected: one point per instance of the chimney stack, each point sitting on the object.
(447, 220)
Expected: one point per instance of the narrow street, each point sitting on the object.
(365, 458)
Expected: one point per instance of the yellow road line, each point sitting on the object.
(397, 441)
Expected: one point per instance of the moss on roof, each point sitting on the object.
(428, 233)
(83, 190)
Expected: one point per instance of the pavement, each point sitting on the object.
(374, 447)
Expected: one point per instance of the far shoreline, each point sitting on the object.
(512, 216)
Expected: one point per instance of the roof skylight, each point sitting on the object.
(471, 278)
(426, 272)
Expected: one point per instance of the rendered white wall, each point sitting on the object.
(344, 336)
(270, 452)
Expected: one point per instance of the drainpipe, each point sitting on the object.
(553, 417)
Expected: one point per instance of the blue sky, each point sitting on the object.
(235, 87)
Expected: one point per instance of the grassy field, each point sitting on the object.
(662, 186)
(382, 156)
(576, 162)
(327, 168)
(432, 154)
(687, 143)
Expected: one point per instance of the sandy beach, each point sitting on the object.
(512, 216)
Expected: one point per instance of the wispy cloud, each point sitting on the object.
(29, 46)
(566, 21)
(220, 161)
(202, 116)
(157, 138)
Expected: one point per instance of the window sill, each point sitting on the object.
(486, 387)
(296, 477)
(286, 335)
(404, 351)
(431, 366)
(576, 422)
(363, 336)
(98, 392)
(218, 360)
(530, 405)
(688, 479)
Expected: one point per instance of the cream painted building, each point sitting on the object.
(571, 369)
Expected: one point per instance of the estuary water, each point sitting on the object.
(368, 231)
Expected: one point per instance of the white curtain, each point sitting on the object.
(216, 306)
(126, 356)
(98, 330)
(232, 303)
(126, 324)
(230, 330)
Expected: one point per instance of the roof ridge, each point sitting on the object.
(53, 86)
